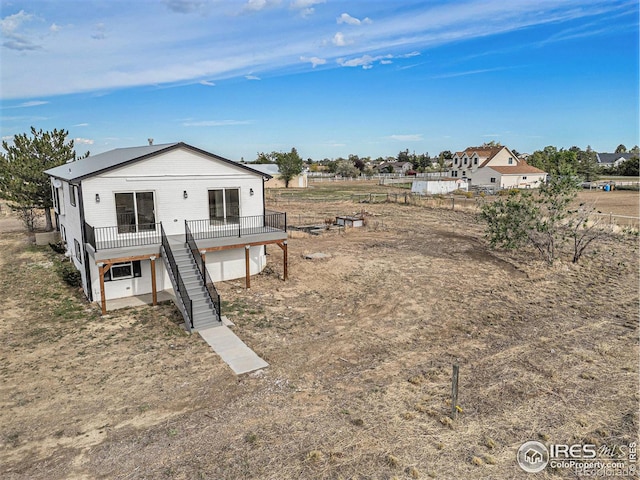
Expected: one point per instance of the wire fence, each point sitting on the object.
(446, 202)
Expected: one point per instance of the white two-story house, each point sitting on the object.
(164, 217)
(496, 166)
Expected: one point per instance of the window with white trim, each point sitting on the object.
(524, 178)
(454, 173)
(510, 161)
(123, 271)
(493, 180)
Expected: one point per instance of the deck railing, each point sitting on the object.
(179, 284)
(214, 296)
(233, 226)
(101, 238)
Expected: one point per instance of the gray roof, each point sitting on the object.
(609, 158)
(102, 162)
(268, 168)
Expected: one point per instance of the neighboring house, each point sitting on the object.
(164, 217)
(271, 169)
(398, 167)
(496, 166)
(439, 186)
(610, 160)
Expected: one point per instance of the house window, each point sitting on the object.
(510, 161)
(475, 161)
(455, 162)
(224, 204)
(465, 161)
(78, 252)
(58, 200)
(454, 173)
(464, 173)
(524, 178)
(73, 192)
(135, 212)
(493, 180)
(122, 271)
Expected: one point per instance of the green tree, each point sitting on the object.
(554, 161)
(346, 168)
(263, 158)
(587, 164)
(289, 164)
(542, 220)
(621, 149)
(23, 182)
(630, 167)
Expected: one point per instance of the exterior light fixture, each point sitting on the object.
(251, 191)
(185, 194)
(97, 198)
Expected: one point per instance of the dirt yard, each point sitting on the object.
(360, 346)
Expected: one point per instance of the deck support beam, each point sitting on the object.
(154, 291)
(247, 267)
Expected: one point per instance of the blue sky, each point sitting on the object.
(331, 78)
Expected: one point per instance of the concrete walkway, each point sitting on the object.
(233, 351)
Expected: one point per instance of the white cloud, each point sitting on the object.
(55, 28)
(252, 77)
(257, 5)
(305, 6)
(349, 20)
(30, 103)
(83, 141)
(417, 137)
(207, 83)
(216, 123)
(81, 125)
(315, 61)
(148, 46)
(366, 61)
(10, 27)
(339, 40)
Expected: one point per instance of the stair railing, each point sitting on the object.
(210, 288)
(179, 284)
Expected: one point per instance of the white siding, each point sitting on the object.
(130, 286)
(168, 176)
(69, 221)
(230, 264)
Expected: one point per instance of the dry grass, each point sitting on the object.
(360, 346)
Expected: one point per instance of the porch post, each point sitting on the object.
(247, 249)
(103, 298)
(154, 292)
(285, 259)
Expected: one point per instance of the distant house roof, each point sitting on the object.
(95, 164)
(611, 158)
(268, 168)
(520, 168)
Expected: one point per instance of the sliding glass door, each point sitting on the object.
(135, 212)
(224, 205)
